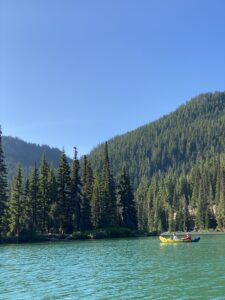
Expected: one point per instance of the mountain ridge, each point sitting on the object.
(26, 154)
(177, 138)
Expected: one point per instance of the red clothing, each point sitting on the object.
(188, 237)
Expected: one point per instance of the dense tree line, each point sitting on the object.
(176, 180)
(179, 201)
(64, 200)
(176, 166)
(26, 153)
(176, 141)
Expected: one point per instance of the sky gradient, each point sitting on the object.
(76, 73)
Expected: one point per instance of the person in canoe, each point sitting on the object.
(174, 236)
(188, 237)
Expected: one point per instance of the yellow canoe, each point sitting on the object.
(170, 241)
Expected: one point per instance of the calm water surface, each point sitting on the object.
(114, 269)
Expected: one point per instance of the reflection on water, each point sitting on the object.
(114, 269)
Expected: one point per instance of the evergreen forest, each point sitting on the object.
(64, 200)
(167, 175)
(18, 151)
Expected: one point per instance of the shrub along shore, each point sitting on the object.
(108, 233)
(77, 235)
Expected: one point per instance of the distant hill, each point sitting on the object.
(26, 154)
(174, 142)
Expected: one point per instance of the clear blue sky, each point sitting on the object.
(80, 72)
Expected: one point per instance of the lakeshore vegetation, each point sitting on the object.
(65, 200)
(168, 175)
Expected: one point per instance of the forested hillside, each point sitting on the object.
(168, 175)
(176, 141)
(26, 154)
(177, 166)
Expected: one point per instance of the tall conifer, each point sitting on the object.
(76, 192)
(44, 195)
(3, 185)
(35, 198)
(126, 198)
(96, 201)
(142, 205)
(52, 199)
(16, 211)
(27, 206)
(109, 216)
(221, 200)
(64, 196)
(87, 186)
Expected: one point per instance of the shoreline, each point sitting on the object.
(179, 233)
(110, 233)
(97, 235)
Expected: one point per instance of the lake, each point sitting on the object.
(114, 269)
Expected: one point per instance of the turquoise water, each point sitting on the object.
(114, 269)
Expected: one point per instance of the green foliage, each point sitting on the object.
(175, 141)
(17, 151)
(176, 170)
(142, 204)
(97, 200)
(52, 201)
(35, 198)
(3, 186)
(221, 195)
(44, 196)
(64, 213)
(76, 192)
(109, 216)
(16, 213)
(87, 182)
(118, 232)
(126, 200)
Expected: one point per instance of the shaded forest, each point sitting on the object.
(64, 200)
(18, 151)
(168, 175)
(176, 141)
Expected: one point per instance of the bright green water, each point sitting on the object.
(114, 269)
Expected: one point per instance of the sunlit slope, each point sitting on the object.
(175, 141)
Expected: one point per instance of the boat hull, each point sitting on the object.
(170, 241)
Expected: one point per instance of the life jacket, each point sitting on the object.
(188, 237)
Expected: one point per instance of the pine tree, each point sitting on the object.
(3, 186)
(161, 209)
(126, 200)
(142, 205)
(44, 195)
(87, 187)
(200, 220)
(96, 201)
(35, 199)
(180, 217)
(53, 225)
(171, 220)
(109, 216)
(16, 212)
(27, 206)
(221, 201)
(64, 206)
(209, 218)
(151, 198)
(76, 192)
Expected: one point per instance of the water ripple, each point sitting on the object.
(114, 269)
